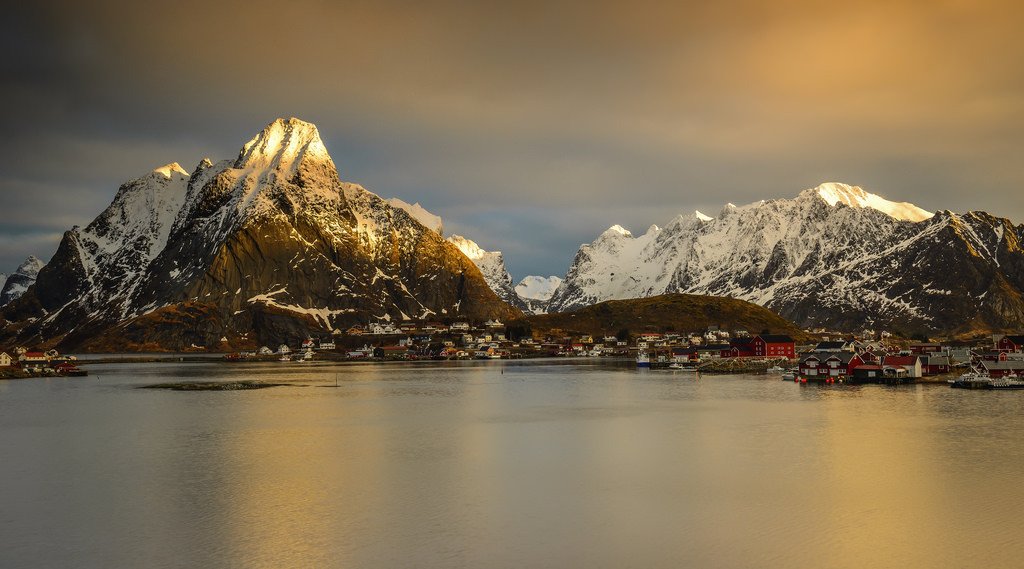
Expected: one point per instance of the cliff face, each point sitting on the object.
(263, 249)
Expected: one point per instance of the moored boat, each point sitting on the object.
(643, 359)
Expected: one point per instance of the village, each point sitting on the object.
(832, 358)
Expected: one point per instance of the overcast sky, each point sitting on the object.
(530, 127)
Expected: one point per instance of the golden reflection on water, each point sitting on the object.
(472, 467)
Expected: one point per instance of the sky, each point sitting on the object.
(530, 127)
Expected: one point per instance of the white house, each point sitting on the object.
(326, 344)
(5, 360)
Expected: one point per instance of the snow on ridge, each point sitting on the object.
(469, 248)
(168, 169)
(834, 193)
(420, 214)
(491, 265)
(537, 287)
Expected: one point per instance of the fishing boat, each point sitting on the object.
(284, 358)
(643, 359)
(974, 379)
(775, 369)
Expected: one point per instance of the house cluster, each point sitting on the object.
(410, 340)
(874, 361)
(760, 346)
(36, 362)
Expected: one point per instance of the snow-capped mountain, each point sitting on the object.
(834, 256)
(267, 247)
(536, 292)
(538, 288)
(15, 285)
(492, 266)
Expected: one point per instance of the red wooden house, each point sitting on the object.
(740, 348)
(773, 346)
(1011, 344)
(825, 365)
(934, 365)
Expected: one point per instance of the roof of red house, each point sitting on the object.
(34, 354)
(775, 338)
(868, 366)
(900, 360)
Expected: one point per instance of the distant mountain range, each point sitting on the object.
(835, 257)
(272, 245)
(259, 249)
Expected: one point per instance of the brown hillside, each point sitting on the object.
(665, 313)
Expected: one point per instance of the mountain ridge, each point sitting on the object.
(821, 262)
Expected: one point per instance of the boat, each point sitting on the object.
(789, 375)
(643, 359)
(775, 369)
(284, 358)
(1007, 383)
(974, 379)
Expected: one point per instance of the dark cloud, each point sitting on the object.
(529, 126)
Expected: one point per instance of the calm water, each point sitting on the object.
(494, 464)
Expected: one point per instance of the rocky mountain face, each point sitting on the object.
(835, 256)
(492, 266)
(261, 249)
(15, 285)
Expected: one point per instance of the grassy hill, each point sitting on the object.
(665, 313)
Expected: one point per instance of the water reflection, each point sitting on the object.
(484, 465)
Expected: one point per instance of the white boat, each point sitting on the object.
(284, 358)
(789, 375)
(775, 369)
(643, 359)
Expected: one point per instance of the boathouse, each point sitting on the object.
(912, 365)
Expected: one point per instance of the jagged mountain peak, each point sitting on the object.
(835, 193)
(283, 145)
(15, 285)
(616, 231)
(30, 266)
